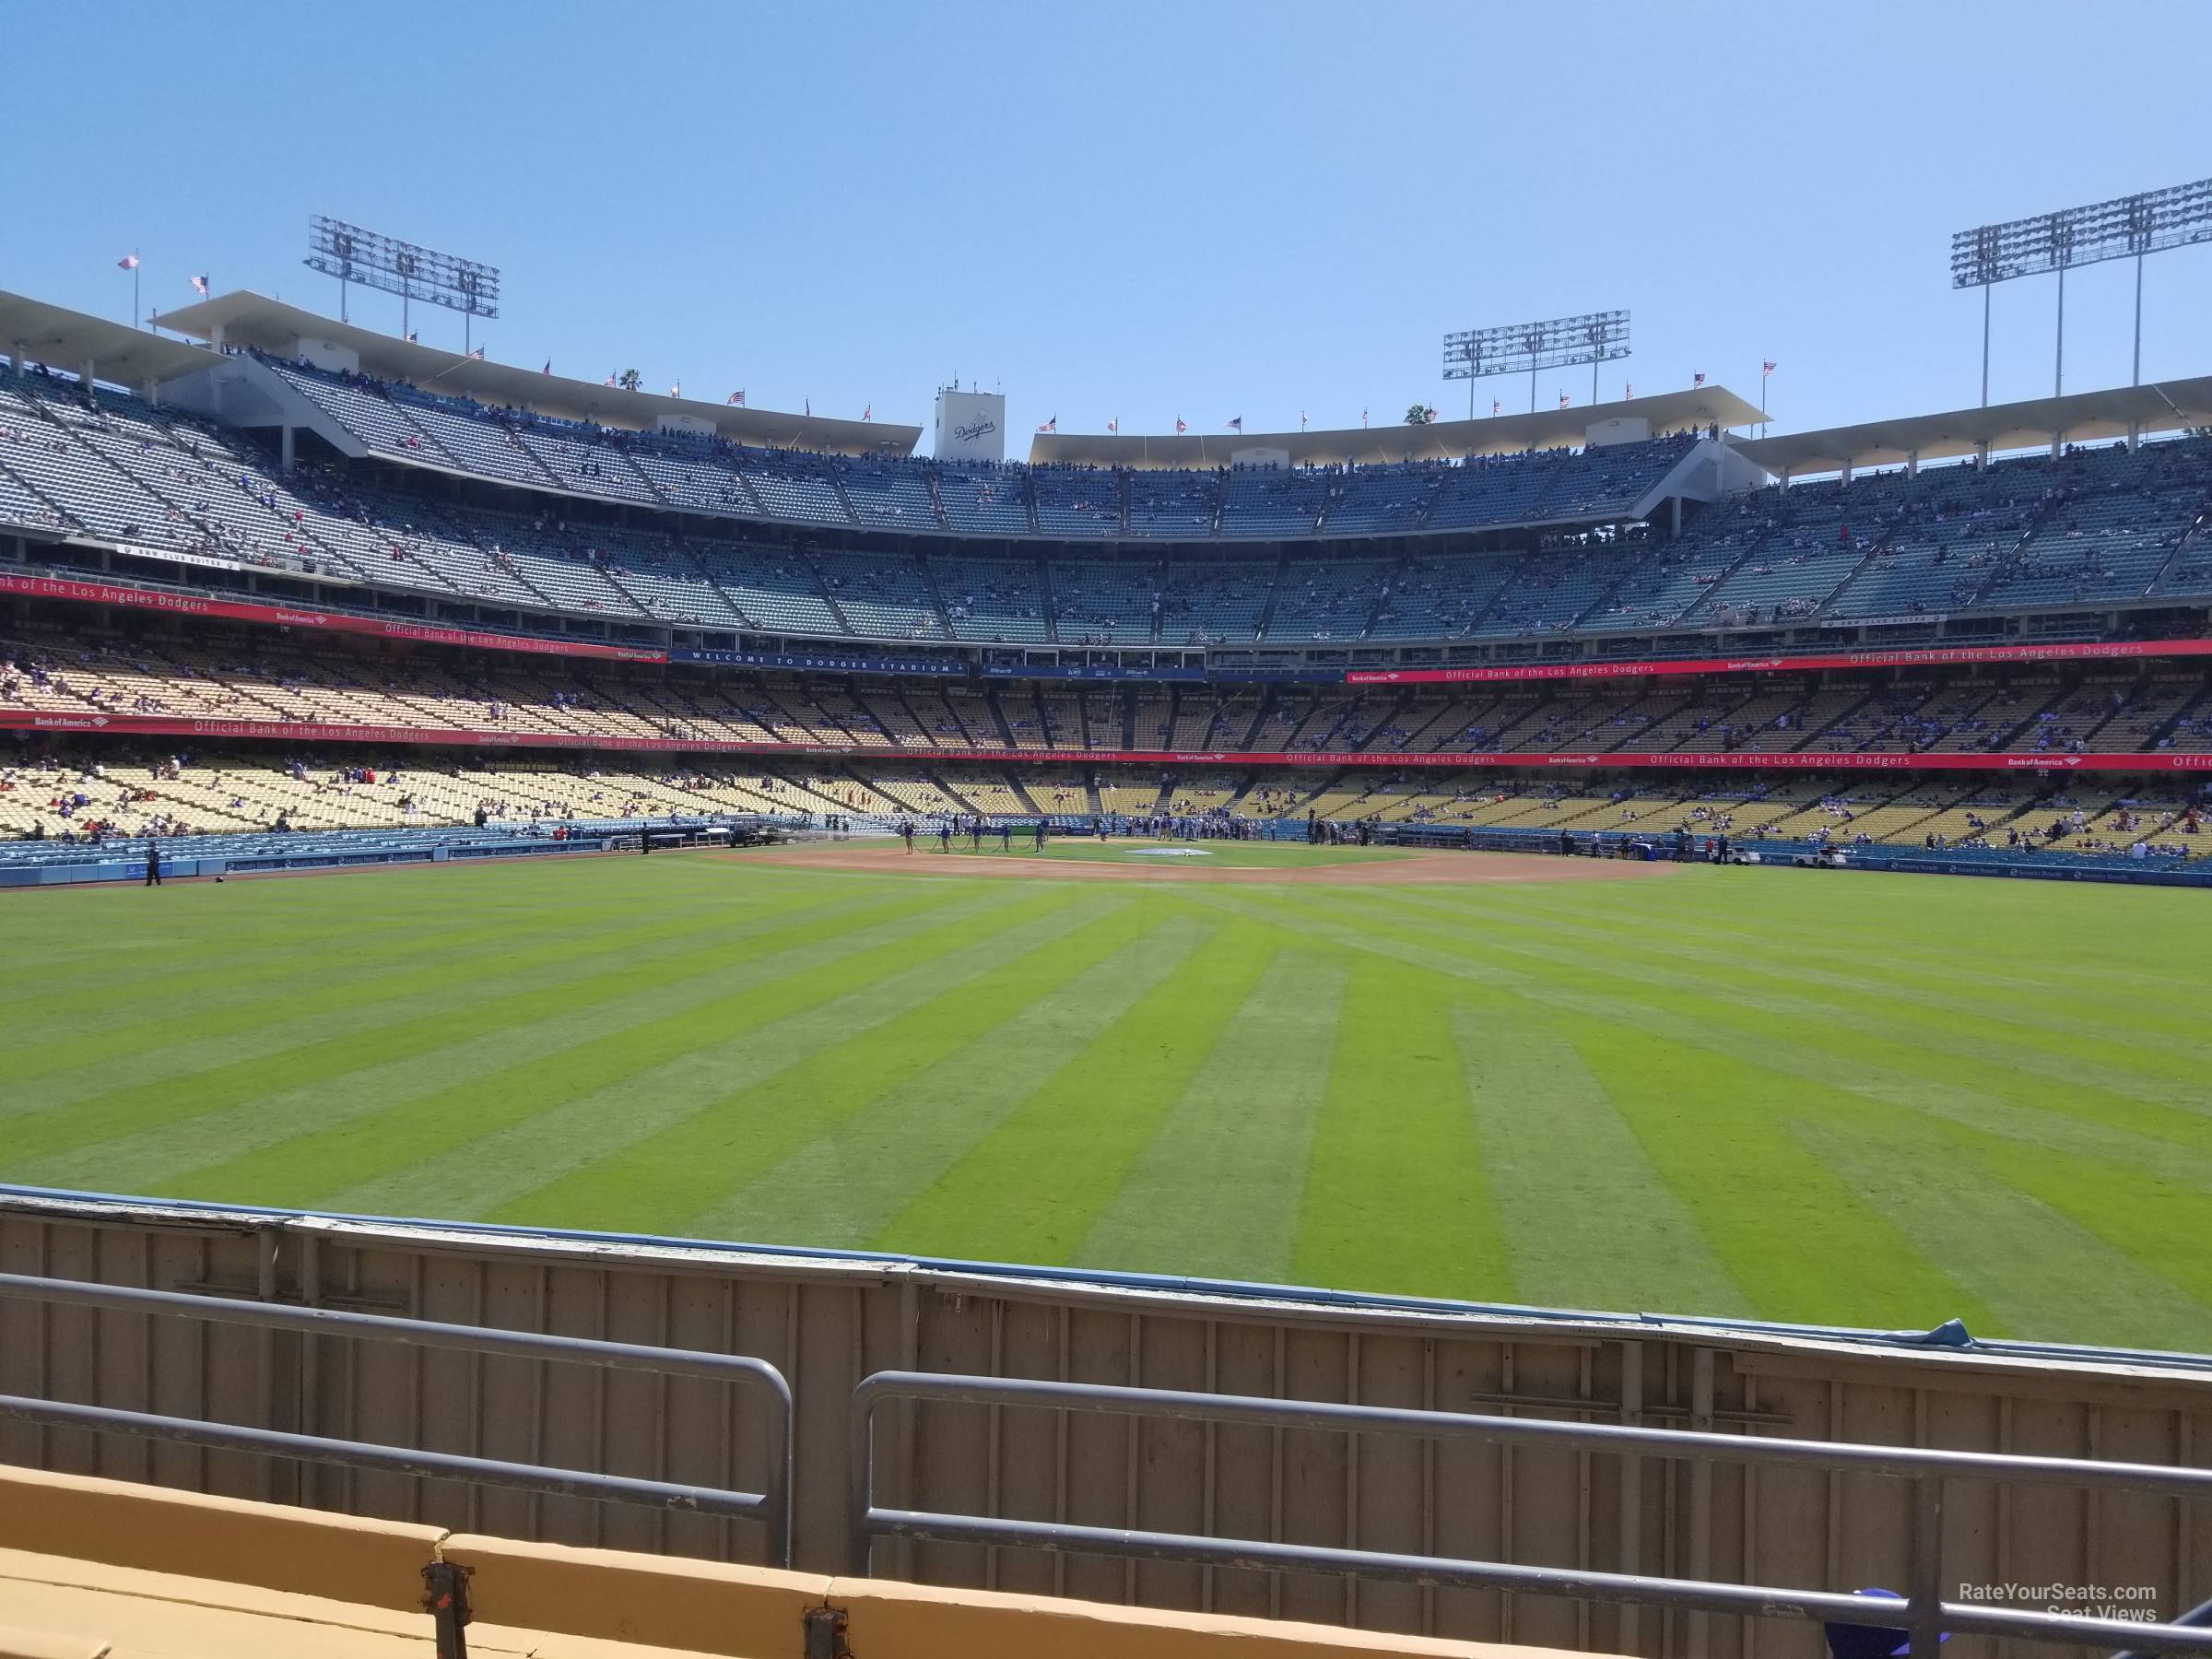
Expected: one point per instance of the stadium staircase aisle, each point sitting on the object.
(937, 599)
(827, 593)
(96, 1568)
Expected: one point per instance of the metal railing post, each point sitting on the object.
(860, 1482)
(445, 1595)
(1924, 1588)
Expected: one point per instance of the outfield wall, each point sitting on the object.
(828, 1320)
(2113, 869)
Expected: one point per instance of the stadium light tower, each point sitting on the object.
(352, 255)
(1478, 353)
(2125, 228)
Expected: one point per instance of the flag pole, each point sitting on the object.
(134, 311)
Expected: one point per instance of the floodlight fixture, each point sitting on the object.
(1525, 347)
(2130, 227)
(352, 255)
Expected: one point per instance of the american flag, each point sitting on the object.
(1496, 407)
(1698, 379)
(610, 380)
(477, 353)
(1562, 400)
(1236, 425)
(548, 368)
(1766, 369)
(868, 413)
(1113, 425)
(1051, 426)
(737, 398)
(129, 262)
(676, 390)
(199, 287)
(1182, 425)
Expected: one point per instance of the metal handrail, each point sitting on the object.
(395, 1460)
(1921, 1611)
(772, 1506)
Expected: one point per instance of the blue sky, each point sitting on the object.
(1140, 210)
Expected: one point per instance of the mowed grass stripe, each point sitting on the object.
(153, 1131)
(1585, 1217)
(1219, 1183)
(2160, 1223)
(1825, 1045)
(1622, 1024)
(2052, 1033)
(2015, 1252)
(318, 1009)
(95, 936)
(1743, 1034)
(1396, 1194)
(761, 1078)
(1922, 954)
(576, 1063)
(844, 1186)
(126, 939)
(1799, 1239)
(1852, 1026)
(113, 1012)
(1668, 949)
(316, 1058)
(1034, 1189)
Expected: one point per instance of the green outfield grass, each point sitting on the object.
(1868, 1100)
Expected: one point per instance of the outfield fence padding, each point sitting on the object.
(826, 1320)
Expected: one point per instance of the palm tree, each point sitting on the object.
(631, 380)
(1419, 415)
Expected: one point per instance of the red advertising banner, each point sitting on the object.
(35, 719)
(285, 615)
(2052, 652)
